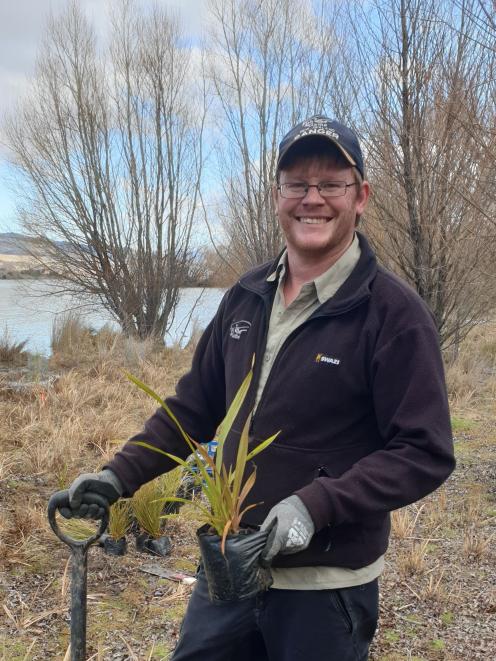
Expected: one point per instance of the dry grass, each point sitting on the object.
(50, 435)
(403, 521)
(434, 590)
(413, 560)
(476, 543)
(472, 376)
(440, 566)
(12, 352)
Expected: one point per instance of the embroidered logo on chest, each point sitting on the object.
(238, 328)
(322, 358)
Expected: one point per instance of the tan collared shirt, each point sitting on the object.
(283, 320)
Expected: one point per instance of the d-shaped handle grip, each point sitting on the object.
(61, 499)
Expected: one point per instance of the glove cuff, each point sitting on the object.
(302, 510)
(107, 475)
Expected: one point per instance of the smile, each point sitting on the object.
(313, 221)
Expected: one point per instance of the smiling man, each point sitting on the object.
(348, 366)
(319, 196)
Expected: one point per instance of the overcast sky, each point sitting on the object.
(22, 23)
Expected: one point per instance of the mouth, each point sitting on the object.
(307, 220)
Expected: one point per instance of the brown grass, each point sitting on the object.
(472, 376)
(12, 352)
(476, 544)
(403, 521)
(440, 565)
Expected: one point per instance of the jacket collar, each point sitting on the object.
(353, 291)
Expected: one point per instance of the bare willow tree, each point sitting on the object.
(420, 80)
(108, 149)
(271, 65)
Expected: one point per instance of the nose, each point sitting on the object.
(313, 196)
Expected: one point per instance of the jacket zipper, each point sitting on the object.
(258, 363)
(282, 350)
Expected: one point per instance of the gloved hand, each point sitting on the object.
(105, 483)
(293, 530)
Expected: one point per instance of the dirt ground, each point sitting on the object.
(438, 592)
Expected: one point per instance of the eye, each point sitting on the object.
(331, 186)
(297, 187)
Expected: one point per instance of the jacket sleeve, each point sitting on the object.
(199, 405)
(411, 406)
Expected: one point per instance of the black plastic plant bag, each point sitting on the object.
(115, 546)
(160, 546)
(237, 574)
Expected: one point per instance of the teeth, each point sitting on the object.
(313, 221)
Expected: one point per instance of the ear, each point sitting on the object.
(362, 198)
(275, 197)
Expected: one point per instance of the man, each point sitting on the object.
(349, 368)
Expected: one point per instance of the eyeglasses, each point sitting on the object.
(325, 188)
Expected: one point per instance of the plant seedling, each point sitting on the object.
(119, 519)
(148, 502)
(224, 489)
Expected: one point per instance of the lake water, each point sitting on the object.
(29, 313)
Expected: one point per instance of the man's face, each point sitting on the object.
(319, 227)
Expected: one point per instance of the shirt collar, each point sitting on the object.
(326, 284)
(280, 271)
(331, 280)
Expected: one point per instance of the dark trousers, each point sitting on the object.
(280, 625)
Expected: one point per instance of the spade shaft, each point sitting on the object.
(79, 570)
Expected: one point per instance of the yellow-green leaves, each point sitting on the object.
(225, 489)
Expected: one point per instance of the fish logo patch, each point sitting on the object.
(238, 328)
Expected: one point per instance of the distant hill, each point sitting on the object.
(13, 244)
(15, 258)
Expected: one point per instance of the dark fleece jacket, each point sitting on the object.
(357, 391)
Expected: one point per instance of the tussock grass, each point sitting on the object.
(148, 505)
(412, 562)
(476, 543)
(119, 519)
(78, 529)
(12, 352)
(403, 521)
(70, 335)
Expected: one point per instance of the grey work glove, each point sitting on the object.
(292, 532)
(105, 483)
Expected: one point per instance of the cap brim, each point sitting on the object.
(343, 151)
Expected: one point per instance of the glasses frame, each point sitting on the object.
(342, 189)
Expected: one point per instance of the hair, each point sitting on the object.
(322, 150)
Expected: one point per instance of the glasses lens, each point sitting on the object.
(325, 188)
(293, 190)
(332, 188)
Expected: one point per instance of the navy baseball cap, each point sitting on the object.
(318, 125)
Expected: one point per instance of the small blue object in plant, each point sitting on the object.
(211, 450)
